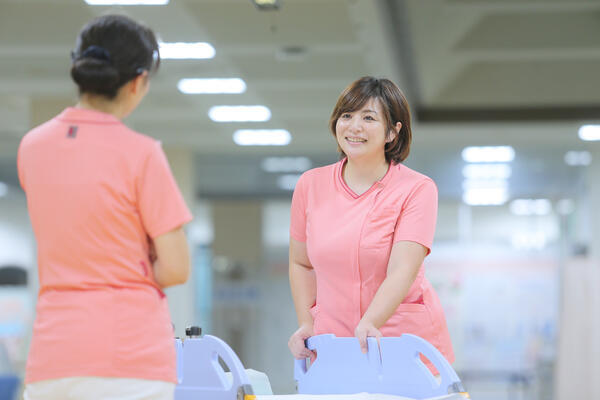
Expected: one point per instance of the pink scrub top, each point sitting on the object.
(349, 238)
(96, 191)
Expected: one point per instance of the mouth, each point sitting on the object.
(355, 140)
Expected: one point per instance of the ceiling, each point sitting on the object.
(476, 72)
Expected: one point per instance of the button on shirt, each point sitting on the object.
(349, 238)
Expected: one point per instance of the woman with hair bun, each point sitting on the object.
(108, 220)
(362, 227)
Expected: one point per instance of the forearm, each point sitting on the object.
(304, 291)
(390, 294)
(165, 277)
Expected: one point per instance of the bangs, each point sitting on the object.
(357, 96)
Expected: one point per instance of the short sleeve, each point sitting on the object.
(418, 216)
(298, 211)
(20, 167)
(161, 204)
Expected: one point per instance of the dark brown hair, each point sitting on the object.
(110, 51)
(395, 109)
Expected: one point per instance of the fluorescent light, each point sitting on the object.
(3, 189)
(286, 164)
(288, 181)
(576, 158)
(262, 137)
(239, 113)
(487, 171)
(266, 5)
(530, 207)
(529, 240)
(186, 51)
(211, 86)
(127, 2)
(486, 196)
(589, 132)
(488, 154)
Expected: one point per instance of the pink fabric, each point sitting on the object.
(349, 239)
(95, 191)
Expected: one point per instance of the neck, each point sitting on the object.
(100, 103)
(364, 173)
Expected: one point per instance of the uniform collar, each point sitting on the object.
(74, 114)
(380, 184)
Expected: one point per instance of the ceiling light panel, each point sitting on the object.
(589, 132)
(127, 2)
(211, 86)
(486, 196)
(578, 158)
(239, 113)
(186, 51)
(262, 137)
(487, 154)
(487, 171)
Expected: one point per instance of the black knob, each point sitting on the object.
(193, 331)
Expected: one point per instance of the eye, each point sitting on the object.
(369, 118)
(345, 115)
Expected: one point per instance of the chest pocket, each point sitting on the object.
(378, 229)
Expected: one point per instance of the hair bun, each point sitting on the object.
(95, 75)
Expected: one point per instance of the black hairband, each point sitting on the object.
(93, 51)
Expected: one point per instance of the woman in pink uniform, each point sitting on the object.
(361, 228)
(108, 217)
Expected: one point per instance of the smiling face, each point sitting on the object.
(362, 133)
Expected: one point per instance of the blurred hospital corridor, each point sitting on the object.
(505, 103)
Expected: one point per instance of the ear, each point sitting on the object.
(394, 132)
(137, 83)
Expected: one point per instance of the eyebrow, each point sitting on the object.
(369, 111)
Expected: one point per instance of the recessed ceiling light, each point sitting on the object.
(286, 164)
(577, 158)
(487, 171)
(486, 154)
(127, 2)
(529, 240)
(239, 113)
(589, 132)
(211, 85)
(486, 196)
(266, 5)
(186, 50)
(262, 137)
(530, 206)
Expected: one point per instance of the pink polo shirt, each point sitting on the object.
(96, 191)
(349, 238)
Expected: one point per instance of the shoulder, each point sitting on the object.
(139, 140)
(317, 176)
(408, 184)
(408, 178)
(38, 133)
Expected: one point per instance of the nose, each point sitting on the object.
(355, 123)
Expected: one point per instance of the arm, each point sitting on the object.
(304, 293)
(405, 261)
(172, 265)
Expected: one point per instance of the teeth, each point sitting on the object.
(355, 140)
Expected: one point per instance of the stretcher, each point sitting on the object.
(391, 370)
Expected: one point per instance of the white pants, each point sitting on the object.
(99, 388)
